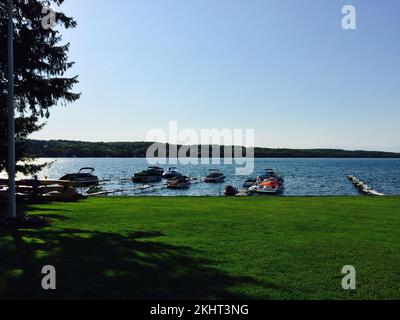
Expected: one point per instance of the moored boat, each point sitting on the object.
(84, 177)
(268, 186)
(269, 183)
(171, 173)
(268, 173)
(179, 182)
(158, 171)
(151, 174)
(215, 176)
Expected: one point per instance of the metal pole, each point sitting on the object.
(11, 123)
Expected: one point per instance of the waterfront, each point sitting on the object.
(303, 177)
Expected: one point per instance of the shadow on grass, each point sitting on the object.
(100, 265)
(24, 209)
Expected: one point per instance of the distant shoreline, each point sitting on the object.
(82, 149)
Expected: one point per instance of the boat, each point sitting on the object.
(271, 174)
(151, 174)
(273, 185)
(156, 170)
(179, 182)
(171, 173)
(268, 173)
(215, 176)
(84, 177)
(230, 191)
(269, 183)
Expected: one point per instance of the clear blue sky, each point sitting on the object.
(284, 68)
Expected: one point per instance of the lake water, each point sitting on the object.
(302, 176)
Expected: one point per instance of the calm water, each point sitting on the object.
(302, 176)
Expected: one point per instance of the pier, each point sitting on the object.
(362, 187)
(143, 188)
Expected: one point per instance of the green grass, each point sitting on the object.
(199, 248)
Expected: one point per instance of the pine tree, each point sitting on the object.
(40, 63)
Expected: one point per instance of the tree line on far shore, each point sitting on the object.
(82, 149)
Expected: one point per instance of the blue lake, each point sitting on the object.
(302, 176)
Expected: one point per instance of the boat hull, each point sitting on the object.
(267, 191)
(215, 180)
(170, 175)
(81, 180)
(146, 179)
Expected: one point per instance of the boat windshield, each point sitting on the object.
(86, 170)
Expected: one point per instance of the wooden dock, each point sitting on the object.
(141, 188)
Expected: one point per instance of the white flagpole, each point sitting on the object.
(11, 120)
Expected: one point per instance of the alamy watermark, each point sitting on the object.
(49, 280)
(349, 20)
(49, 20)
(349, 280)
(238, 147)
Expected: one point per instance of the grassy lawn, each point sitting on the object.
(198, 248)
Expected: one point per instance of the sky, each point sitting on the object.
(284, 68)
